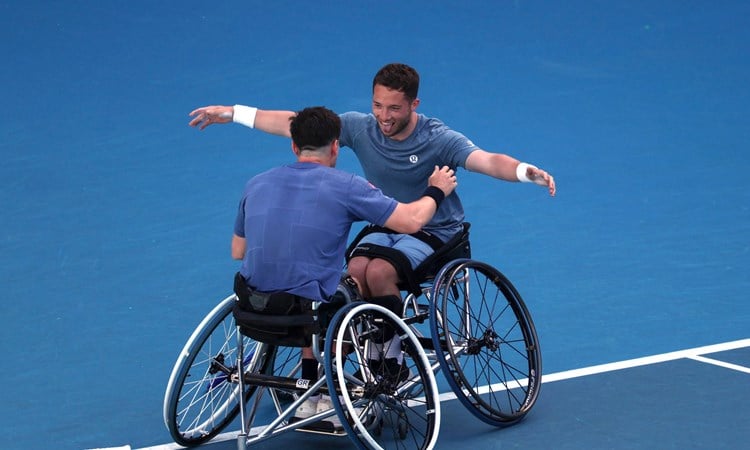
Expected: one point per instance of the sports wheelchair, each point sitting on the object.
(459, 315)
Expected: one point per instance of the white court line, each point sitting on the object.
(655, 359)
(726, 365)
(693, 353)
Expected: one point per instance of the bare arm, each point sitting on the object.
(506, 168)
(411, 217)
(273, 122)
(238, 247)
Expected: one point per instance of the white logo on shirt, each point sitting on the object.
(413, 159)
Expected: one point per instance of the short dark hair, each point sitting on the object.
(400, 77)
(314, 127)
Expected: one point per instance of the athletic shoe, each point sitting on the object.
(307, 409)
(324, 404)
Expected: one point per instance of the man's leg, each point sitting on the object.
(377, 276)
(357, 268)
(309, 372)
(379, 280)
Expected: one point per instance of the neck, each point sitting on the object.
(313, 160)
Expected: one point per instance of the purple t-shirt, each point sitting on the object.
(296, 221)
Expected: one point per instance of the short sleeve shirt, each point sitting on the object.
(401, 168)
(296, 221)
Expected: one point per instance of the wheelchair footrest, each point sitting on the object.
(321, 427)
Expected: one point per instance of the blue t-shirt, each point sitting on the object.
(296, 221)
(401, 168)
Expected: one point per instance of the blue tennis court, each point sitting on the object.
(116, 217)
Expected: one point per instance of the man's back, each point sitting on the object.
(296, 222)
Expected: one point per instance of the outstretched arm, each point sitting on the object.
(273, 122)
(507, 168)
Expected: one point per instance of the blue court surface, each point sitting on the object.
(116, 217)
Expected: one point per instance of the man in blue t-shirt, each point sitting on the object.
(293, 221)
(397, 148)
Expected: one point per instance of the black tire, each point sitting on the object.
(202, 395)
(485, 342)
(376, 407)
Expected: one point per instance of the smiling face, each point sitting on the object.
(394, 112)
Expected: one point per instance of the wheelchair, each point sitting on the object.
(460, 316)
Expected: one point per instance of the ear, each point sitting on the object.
(414, 104)
(335, 148)
(295, 149)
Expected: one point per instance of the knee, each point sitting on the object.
(357, 267)
(381, 273)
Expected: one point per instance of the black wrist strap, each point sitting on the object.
(434, 193)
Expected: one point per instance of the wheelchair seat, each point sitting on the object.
(412, 279)
(284, 319)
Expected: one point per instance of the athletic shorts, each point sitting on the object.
(414, 249)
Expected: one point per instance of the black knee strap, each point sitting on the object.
(457, 247)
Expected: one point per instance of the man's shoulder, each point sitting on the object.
(354, 115)
(265, 174)
(353, 118)
(435, 129)
(431, 123)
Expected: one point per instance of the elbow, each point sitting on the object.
(238, 247)
(413, 226)
(404, 226)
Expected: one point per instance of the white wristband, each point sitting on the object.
(244, 115)
(521, 172)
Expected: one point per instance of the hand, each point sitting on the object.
(542, 178)
(443, 179)
(205, 116)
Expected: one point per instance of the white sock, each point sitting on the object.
(393, 349)
(375, 351)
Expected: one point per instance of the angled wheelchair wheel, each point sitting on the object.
(485, 341)
(381, 406)
(202, 395)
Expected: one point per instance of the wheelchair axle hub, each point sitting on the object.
(488, 340)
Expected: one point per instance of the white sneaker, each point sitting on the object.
(307, 409)
(324, 404)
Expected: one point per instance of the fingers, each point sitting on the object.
(194, 122)
(542, 178)
(447, 170)
(443, 178)
(201, 118)
(207, 115)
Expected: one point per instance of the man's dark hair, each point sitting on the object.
(400, 77)
(314, 127)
